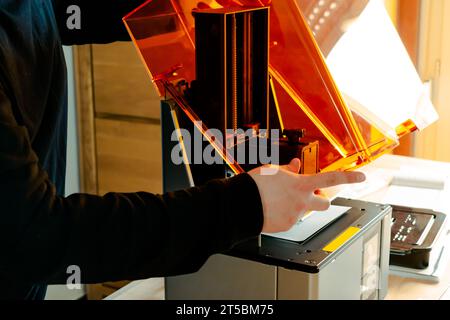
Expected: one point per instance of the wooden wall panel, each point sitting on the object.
(85, 114)
(122, 85)
(129, 156)
(408, 23)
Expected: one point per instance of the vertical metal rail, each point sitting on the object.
(234, 73)
(247, 90)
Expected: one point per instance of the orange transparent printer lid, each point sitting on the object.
(338, 68)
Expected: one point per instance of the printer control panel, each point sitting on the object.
(410, 228)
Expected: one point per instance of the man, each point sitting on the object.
(42, 233)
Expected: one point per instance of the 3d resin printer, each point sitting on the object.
(244, 68)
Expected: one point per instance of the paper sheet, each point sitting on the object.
(412, 197)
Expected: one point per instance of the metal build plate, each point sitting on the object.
(310, 256)
(313, 224)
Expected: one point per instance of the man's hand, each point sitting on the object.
(286, 196)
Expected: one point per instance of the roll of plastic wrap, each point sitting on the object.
(419, 180)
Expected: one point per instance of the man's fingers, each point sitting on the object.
(331, 179)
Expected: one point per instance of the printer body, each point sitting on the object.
(347, 258)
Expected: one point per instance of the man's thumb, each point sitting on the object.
(295, 166)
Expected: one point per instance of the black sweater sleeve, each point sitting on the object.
(101, 20)
(115, 237)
